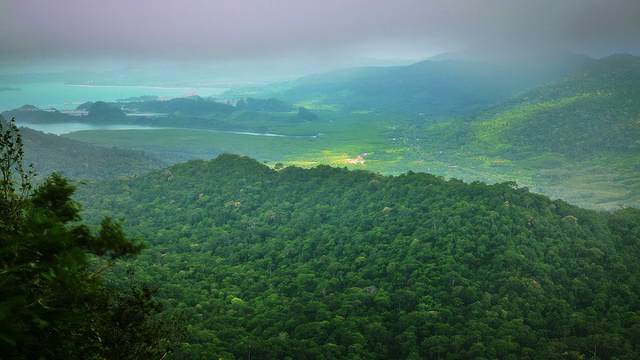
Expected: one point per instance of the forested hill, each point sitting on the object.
(595, 111)
(50, 153)
(326, 263)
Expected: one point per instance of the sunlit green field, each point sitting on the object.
(389, 145)
(334, 140)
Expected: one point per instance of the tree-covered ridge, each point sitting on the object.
(331, 263)
(78, 160)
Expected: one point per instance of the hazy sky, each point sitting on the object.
(313, 31)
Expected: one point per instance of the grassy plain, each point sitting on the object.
(393, 144)
(333, 140)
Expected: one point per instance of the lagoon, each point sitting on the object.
(67, 128)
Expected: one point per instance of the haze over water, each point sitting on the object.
(67, 97)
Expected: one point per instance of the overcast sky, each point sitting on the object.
(313, 31)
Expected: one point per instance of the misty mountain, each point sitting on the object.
(33, 115)
(190, 106)
(331, 263)
(102, 113)
(441, 88)
(573, 137)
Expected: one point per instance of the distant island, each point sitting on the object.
(138, 98)
(8, 88)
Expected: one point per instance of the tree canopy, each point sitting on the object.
(329, 263)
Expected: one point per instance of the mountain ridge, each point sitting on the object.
(432, 86)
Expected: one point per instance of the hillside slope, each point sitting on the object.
(593, 112)
(580, 134)
(78, 160)
(440, 88)
(330, 263)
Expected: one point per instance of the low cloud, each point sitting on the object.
(255, 30)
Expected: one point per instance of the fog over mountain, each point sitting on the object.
(303, 35)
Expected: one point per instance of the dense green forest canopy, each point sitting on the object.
(332, 263)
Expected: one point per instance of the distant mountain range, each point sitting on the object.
(442, 87)
(570, 126)
(273, 260)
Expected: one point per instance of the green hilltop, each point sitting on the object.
(332, 263)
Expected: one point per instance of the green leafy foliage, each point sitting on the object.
(54, 303)
(12, 170)
(331, 263)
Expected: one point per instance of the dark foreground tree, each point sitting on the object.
(54, 303)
